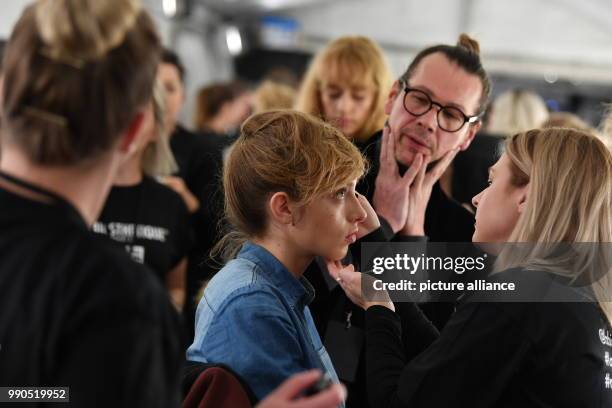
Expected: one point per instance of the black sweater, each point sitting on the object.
(490, 355)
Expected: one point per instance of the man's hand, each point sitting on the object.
(353, 282)
(288, 394)
(392, 190)
(420, 193)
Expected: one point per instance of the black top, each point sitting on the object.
(200, 161)
(75, 311)
(150, 221)
(490, 355)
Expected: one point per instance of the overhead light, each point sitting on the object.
(174, 8)
(169, 7)
(233, 40)
(551, 78)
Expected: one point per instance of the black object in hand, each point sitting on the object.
(323, 383)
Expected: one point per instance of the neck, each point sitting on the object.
(130, 172)
(295, 262)
(85, 186)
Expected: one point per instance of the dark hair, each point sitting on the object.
(210, 100)
(172, 58)
(466, 54)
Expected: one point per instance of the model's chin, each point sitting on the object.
(339, 253)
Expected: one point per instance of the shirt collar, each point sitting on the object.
(271, 269)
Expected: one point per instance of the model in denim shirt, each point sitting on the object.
(289, 187)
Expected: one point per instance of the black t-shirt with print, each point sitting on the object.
(151, 221)
(76, 312)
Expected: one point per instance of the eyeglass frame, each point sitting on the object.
(466, 119)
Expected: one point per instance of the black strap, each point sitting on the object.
(57, 199)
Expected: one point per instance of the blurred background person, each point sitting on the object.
(516, 111)
(200, 163)
(222, 107)
(271, 95)
(148, 218)
(347, 84)
(567, 120)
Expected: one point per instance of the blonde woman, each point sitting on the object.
(147, 218)
(347, 85)
(515, 354)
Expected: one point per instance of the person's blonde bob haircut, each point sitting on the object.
(354, 61)
(282, 151)
(157, 158)
(569, 178)
(517, 110)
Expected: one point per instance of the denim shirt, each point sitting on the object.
(254, 317)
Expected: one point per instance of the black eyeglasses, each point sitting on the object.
(450, 119)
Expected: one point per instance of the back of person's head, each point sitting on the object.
(271, 95)
(171, 58)
(354, 61)
(567, 120)
(283, 151)
(211, 98)
(79, 71)
(157, 158)
(466, 54)
(517, 110)
(569, 178)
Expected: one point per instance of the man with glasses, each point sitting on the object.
(434, 111)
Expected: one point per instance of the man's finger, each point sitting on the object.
(436, 172)
(413, 170)
(387, 153)
(297, 383)
(383, 144)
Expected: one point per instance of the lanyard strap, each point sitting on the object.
(57, 199)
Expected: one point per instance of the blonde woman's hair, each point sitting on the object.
(79, 71)
(157, 158)
(569, 178)
(282, 150)
(356, 61)
(271, 95)
(568, 120)
(517, 111)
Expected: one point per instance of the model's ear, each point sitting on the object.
(393, 94)
(281, 209)
(129, 135)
